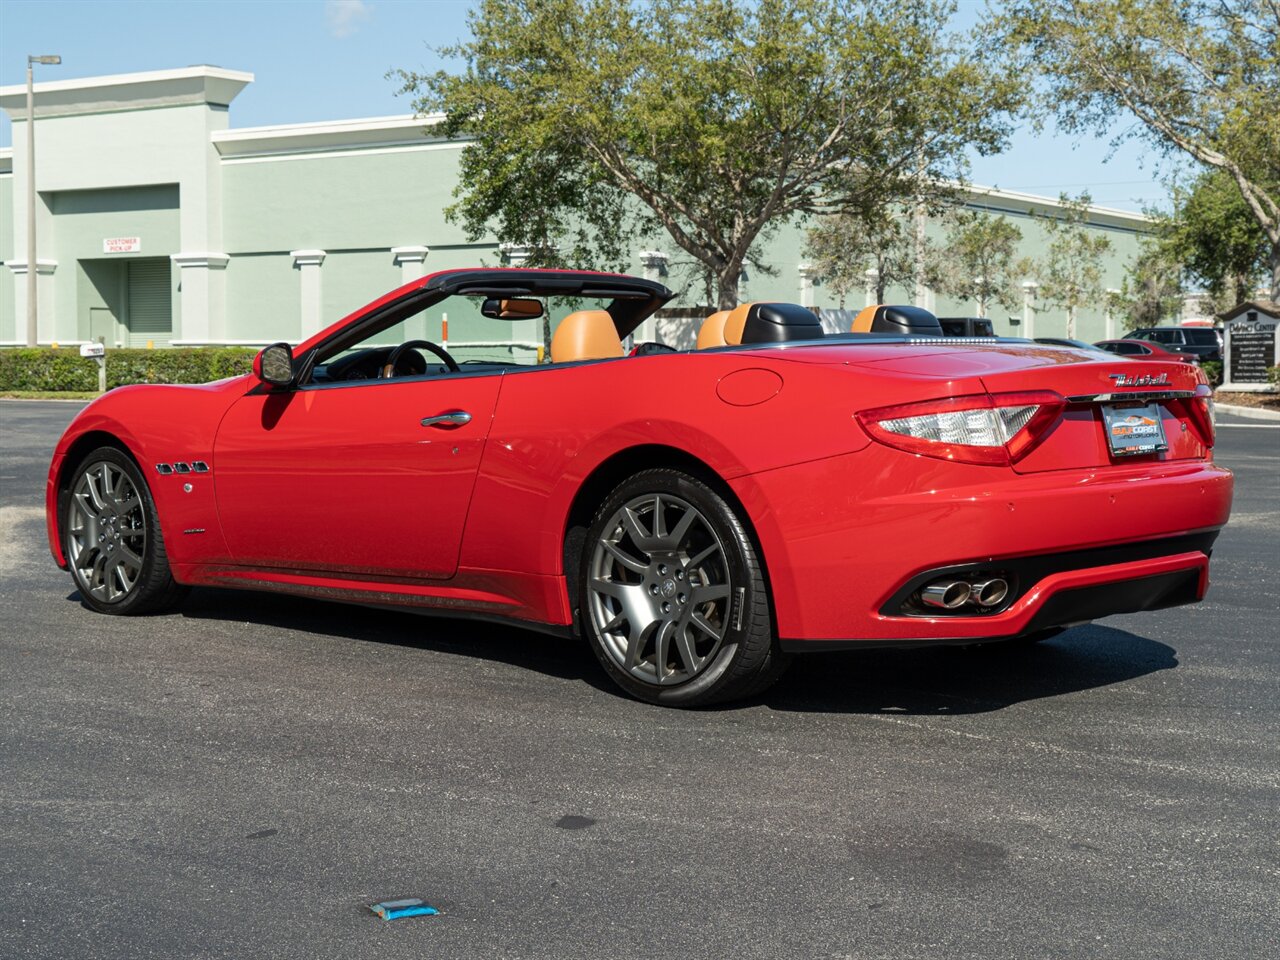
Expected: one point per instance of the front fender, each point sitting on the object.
(154, 424)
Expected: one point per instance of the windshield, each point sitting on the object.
(452, 333)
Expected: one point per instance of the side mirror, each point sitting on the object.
(511, 308)
(274, 365)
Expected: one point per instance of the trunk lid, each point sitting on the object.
(1091, 382)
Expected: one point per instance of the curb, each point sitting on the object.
(1253, 413)
(43, 400)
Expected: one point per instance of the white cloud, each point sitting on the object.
(345, 16)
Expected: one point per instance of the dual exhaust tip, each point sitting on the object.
(951, 594)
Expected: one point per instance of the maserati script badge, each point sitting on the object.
(1140, 380)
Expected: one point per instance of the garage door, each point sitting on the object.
(150, 303)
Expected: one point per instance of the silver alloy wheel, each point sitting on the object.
(659, 589)
(106, 532)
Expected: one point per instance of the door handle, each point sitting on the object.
(456, 418)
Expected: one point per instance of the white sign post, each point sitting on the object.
(98, 352)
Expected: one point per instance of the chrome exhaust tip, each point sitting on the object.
(991, 592)
(947, 594)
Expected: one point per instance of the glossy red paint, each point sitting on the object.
(359, 449)
(339, 491)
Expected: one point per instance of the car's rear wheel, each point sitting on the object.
(112, 539)
(673, 597)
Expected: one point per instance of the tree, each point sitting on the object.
(979, 261)
(1202, 77)
(1071, 273)
(843, 246)
(712, 120)
(1152, 289)
(1211, 232)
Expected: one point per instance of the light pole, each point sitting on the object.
(31, 195)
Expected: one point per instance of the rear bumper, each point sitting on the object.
(843, 537)
(1065, 601)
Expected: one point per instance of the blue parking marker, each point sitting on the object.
(395, 909)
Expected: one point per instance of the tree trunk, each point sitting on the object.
(1273, 261)
(882, 287)
(727, 281)
(1071, 323)
(982, 307)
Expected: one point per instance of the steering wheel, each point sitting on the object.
(389, 368)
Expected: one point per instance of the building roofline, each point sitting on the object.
(410, 129)
(1097, 214)
(205, 83)
(123, 79)
(196, 84)
(304, 138)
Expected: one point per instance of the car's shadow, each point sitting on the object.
(917, 681)
(955, 680)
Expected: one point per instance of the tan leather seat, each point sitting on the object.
(711, 333)
(735, 323)
(862, 322)
(585, 335)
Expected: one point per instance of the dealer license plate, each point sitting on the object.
(1134, 430)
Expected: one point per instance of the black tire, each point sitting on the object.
(133, 527)
(744, 660)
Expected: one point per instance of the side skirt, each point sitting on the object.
(497, 596)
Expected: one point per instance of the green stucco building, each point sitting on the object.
(160, 223)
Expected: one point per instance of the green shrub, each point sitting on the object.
(1213, 370)
(1273, 376)
(27, 368)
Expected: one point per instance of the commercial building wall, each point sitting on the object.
(274, 232)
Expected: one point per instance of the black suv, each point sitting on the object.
(1204, 342)
(966, 327)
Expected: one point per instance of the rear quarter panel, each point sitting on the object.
(554, 426)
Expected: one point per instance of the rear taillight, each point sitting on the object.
(1203, 415)
(991, 429)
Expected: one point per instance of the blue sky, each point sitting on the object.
(326, 60)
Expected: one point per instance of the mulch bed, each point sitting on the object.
(1267, 401)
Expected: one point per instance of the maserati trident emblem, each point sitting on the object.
(1140, 380)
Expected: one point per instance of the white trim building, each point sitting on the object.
(158, 223)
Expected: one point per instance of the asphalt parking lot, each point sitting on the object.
(241, 777)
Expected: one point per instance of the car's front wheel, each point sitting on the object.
(673, 597)
(112, 539)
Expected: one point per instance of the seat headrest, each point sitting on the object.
(711, 333)
(888, 318)
(862, 322)
(735, 323)
(585, 335)
(780, 323)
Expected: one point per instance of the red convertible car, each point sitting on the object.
(698, 516)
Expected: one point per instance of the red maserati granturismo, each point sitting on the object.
(697, 516)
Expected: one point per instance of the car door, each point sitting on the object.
(371, 478)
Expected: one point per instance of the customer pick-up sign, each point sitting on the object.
(122, 245)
